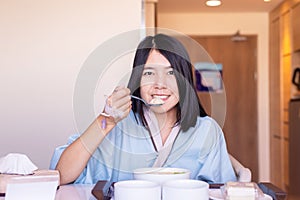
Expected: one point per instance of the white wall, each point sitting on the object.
(43, 45)
(228, 24)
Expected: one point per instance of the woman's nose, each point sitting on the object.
(160, 81)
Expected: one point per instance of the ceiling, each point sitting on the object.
(198, 6)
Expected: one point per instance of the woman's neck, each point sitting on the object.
(166, 122)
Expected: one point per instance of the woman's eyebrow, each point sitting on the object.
(152, 66)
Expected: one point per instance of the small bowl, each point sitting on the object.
(185, 189)
(137, 190)
(161, 175)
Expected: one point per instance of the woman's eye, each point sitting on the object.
(147, 73)
(171, 72)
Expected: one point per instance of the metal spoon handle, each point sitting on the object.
(138, 98)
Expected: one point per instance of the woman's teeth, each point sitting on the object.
(160, 96)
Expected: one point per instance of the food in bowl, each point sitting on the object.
(166, 172)
(161, 175)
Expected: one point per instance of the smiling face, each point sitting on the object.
(159, 81)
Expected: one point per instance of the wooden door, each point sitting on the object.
(276, 145)
(296, 27)
(239, 62)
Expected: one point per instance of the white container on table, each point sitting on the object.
(137, 190)
(185, 189)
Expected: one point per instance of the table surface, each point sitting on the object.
(80, 192)
(75, 192)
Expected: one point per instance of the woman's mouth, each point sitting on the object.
(161, 97)
(158, 99)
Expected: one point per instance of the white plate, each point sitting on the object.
(216, 194)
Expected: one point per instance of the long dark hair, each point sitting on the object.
(189, 106)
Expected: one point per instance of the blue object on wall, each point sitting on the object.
(208, 77)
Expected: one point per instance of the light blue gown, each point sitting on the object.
(202, 150)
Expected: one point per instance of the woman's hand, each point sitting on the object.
(118, 105)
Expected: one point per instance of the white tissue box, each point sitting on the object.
(42, 175)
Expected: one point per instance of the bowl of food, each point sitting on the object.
(161, 175)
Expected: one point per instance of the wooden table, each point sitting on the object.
(75, 192)
(82, 192)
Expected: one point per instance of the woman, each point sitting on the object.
(131, 135)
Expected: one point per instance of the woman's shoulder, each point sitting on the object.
(207, 121)
(209, 126)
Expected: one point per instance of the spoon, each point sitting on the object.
(147, 104)
(103, 122)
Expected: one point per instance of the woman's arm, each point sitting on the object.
(76, 156)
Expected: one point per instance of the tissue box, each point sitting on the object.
(241, 191)
(43, 175)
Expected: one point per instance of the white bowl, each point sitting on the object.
(161, 175)
(185, 189)
(137, 190)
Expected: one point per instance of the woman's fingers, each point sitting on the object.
(125, 107)
(120, 98)
(118, 104)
